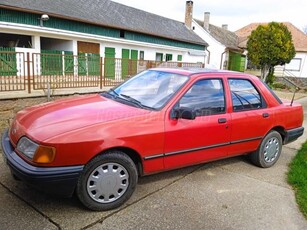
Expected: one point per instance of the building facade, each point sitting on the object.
(62, 37)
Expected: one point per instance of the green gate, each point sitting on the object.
(8, 62)
(51, 62)
(81, 64)
(236, 62)
(68, 63)
(109, 64)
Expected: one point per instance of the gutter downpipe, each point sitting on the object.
(209, 55)
(222, 58)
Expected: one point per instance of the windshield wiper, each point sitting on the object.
(135, 101)
(113, 91)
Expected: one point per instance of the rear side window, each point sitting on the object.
(206, 97)
(244, 95)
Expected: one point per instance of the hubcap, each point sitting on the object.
(107, 183)
(271, 150)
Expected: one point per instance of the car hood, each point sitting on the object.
(48, 120)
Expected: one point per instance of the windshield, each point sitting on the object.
(151, 88)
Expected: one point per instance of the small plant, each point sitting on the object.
(279, 85)
(297, 177)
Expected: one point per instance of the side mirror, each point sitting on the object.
(183, 113)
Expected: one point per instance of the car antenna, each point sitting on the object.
(293, 96)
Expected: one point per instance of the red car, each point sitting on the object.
(161, 119)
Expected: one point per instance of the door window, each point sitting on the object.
(244, 95)
(206, 97)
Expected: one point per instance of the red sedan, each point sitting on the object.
(161, 119)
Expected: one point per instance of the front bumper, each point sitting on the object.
(293, 134)
(56, 180)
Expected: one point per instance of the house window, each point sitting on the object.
(169, 57)
(179, 58)
(294, 65)
(159, 57)
(141, 55)
(122, 33)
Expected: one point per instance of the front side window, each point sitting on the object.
(244, 95)
(205, 97)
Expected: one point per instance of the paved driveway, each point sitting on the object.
(227, 194)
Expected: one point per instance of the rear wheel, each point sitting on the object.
(268, 151)
(107, 181)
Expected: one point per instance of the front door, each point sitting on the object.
(205, 138)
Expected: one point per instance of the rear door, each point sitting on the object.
(250, 116)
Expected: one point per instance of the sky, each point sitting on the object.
(235, 13)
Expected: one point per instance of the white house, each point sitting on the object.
(223, 51)
(298, 66)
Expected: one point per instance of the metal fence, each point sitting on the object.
(65, 71)
(24, 71)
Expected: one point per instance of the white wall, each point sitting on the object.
(298, 65)
(150, 52)
(216, 48)
(68, 41)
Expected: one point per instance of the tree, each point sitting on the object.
(270, 45)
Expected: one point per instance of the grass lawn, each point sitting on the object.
(297, 177)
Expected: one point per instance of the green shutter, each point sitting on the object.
(134, 58)
(93, 64)
(242, 64)
(125, 62)
(169, 57)
(179, 58)
(109, 64)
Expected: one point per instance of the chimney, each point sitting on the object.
(225, 26)
(206, 20)
(188, 14)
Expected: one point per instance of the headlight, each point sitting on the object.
(37, 153)
(27, 147)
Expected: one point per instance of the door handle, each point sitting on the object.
(222, 120)
(265, 115)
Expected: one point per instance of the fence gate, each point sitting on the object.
(12, 70)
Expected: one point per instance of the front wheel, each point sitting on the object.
(269, 150)
(107, 181)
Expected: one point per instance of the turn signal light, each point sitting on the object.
(44, 155)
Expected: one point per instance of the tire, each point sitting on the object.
(269, 150)
(107, 181)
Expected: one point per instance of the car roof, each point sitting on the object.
(197, 71)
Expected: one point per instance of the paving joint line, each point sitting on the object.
(244, 175)
(30, 205)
